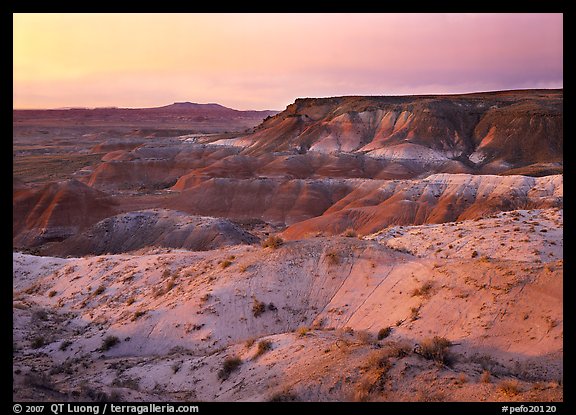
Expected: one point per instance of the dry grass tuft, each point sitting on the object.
(263, 347)
(423, 290)
(435, 349)
(229, 365)
(509, 387)
(273, 242)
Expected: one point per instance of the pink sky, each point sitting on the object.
(266, 61)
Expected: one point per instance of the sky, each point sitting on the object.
(266, 61)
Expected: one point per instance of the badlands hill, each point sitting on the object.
(155, 227)
(492, 132)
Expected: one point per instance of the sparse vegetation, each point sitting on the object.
(225, 264)
(263, 347)
(99, 290)
(38, 342)
(474, 254)
(423, 290)
(435, 349)
(40, 315)
(176, 366)
(509, 387)
(384, 332)
(302, 331)
(38, 380)
(258, 307)
(414, 313)
(273, 242)
(332, 258)
(138, 314)
(229, 365)
(64, 345)
(283, 396)
(372, 382)
(364, 337)
(109, 342)
(350, 233)
(52, 293)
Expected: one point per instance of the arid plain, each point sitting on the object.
(358, 248)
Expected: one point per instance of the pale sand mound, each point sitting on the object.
(156, 227)
(178, 315)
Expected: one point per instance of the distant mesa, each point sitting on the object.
(491, 131)
(192, 105)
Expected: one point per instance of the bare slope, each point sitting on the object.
(56, 211)
(320, 303)
(374, 205)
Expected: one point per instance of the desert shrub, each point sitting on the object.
(333, 258)
(414, 313)
(258, 307)
(423, 290)
(38, 341)
(229, 365)
(509, 387)
(225, 264)
(248, 343)
(129, 382)
(64, 345)
(302, 331)
(378, 359)
(176, 366)
(430, 396)
(263, 347)
(364, 337)
(350, 233)
(99, 290)
(372, 382)
(170, 284)
(38, 380)
(40, 315)
(485, 377)
(109, 342)
(52, 293)
(283, 396)
(205, 297)
(138, 314)
(130, 301)
(435, 349)
(273, 242)
(474, 254)
(384, 332)
(398, 349)
(461, 379)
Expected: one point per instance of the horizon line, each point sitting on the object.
(115, 107)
